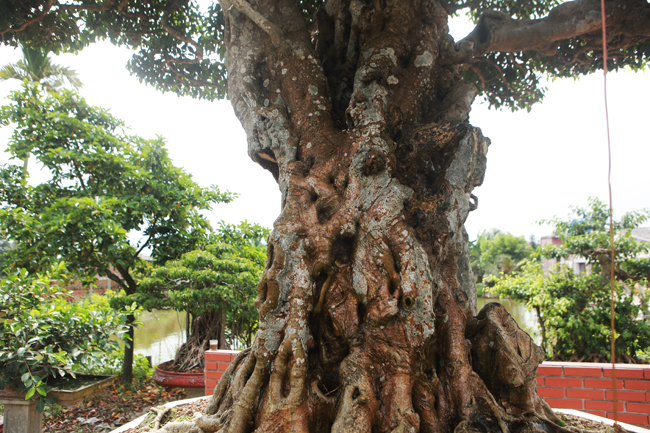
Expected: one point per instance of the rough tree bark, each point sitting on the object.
(367, 300)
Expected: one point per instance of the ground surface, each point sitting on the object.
(112, 408)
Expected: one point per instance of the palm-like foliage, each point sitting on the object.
(36, 66)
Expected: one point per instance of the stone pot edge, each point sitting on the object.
(136, 422)
(591, 417)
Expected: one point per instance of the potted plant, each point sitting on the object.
(216, 286)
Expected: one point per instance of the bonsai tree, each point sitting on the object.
(216, 286)
(360, 111)
(42, 334)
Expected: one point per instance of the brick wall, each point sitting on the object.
(564, 385)
(216, 363)
(588, 387)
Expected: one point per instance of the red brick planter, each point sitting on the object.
(588, 387)
(564, 385)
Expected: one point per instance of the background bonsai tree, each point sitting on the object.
(109, 197)
(42, 334)
(360, 111)
(216, 285)
(574, 310)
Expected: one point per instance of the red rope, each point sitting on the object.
(611, 215)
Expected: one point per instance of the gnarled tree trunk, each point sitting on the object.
(367, 300)
(211, 325)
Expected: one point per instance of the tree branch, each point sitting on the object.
(497, 31)
(37, 17)
(273, 30)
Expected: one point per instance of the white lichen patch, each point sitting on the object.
(424, 59)
(392, 80)
(313, 89)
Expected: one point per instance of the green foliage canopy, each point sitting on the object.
(586, 233)
(104, 187)
(495, 252)
(574, 314)
(180, 44)
(221, 276)
(574, 310)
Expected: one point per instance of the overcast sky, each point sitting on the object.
(539, 163)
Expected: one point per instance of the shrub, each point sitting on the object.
(574, 314)
(42, 334)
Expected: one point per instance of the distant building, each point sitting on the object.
(577, 263)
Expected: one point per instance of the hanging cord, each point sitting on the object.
(611, 216)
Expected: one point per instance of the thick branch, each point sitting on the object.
(497, 31)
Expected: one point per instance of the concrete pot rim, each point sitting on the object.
(629, 427)
(591, 417)
(136, 422)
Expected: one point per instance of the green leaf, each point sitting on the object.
(30, 393)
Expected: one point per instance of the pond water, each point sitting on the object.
(163, 332)
(160, 334)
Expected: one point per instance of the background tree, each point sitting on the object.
(495, 252)
(586, 233)
(573, 310)
(360, 111)
(106, 189)
(216, 285)
(37, 67)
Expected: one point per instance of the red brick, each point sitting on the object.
(591, 394)
(564, 382)
(540, 381)
(213, 374)
(638, 407)
(625, 395)
(595, 412)
(209, 391)
(564, 403)
(603, 405)
(630, 418)
(625, 373)
(583, 371)
(638, 384)
(211, 366)
(211, 384)
(219, 357)
(544, 370)
(551, 392)
(223, 366)
(602, 383)
(646, 373)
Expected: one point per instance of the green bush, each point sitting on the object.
(110, 363)
(42, 334)
(574, 314)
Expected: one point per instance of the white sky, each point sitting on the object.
(539, 163)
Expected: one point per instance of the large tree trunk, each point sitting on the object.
(367, 300)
